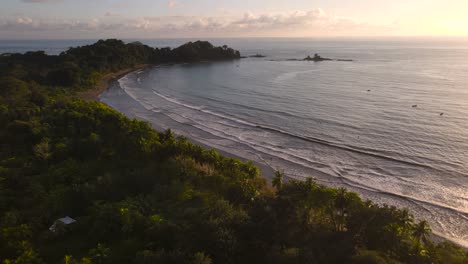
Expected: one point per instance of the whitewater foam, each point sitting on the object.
(315, 142)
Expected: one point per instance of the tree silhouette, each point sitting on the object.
(277, 181)
(421, 232)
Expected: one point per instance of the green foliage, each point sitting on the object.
(372, 257)
(142, 196)
(203, 50)
(80, 67)
(277, 181)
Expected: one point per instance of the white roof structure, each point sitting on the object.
(64, 220)
(67, 220)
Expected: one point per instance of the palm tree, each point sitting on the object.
(341, 200)
(421, 231)
(277, 181)
(340, 205)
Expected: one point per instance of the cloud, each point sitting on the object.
(27, 24)
(314, 22)
(265, 21)
(111, 14)
(307, 22)
(41, 1)
(173, 4)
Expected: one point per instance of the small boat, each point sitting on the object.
(414, 106)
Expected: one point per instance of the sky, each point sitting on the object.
(85, 19)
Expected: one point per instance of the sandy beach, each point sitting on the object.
(113, 96)
(111, 79)
(106, 81)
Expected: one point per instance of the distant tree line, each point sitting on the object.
(81, 66)
(142, 196)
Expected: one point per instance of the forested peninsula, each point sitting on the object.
(82, 183)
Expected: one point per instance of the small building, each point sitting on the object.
(61, 223)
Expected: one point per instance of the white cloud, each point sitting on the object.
(40, 1)
(299, 23)
(111, 14)
(173, 4)
(24, 20)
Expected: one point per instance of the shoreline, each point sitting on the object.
(266, 170)
(106, 81)
(111, 79)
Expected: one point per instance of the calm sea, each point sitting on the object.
(391, 125)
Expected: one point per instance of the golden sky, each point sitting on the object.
(240, 18)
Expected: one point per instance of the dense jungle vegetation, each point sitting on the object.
(144, 196)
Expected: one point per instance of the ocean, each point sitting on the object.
(392, 124)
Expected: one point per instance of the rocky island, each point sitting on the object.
(257, 56)
(316, 58)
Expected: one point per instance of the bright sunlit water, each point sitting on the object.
(352, 124)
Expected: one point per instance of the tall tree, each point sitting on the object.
(277, 181)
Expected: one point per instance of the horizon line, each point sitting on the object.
(247, 37)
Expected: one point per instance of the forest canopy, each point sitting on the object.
(78, 67)
(145, 196)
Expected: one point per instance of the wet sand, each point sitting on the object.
(267, 169)
(111, 79)
(106, 81)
